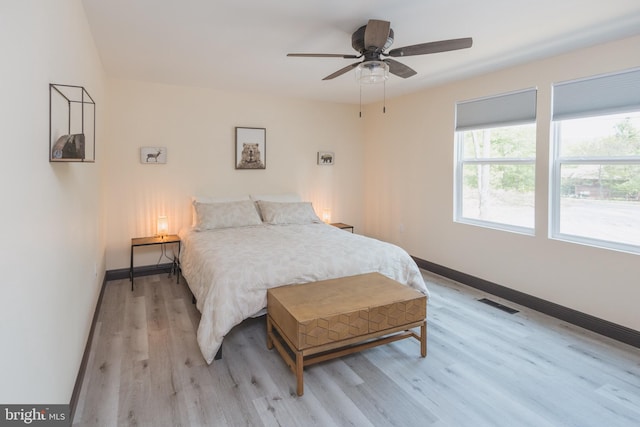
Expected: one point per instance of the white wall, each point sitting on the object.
(409, 192)
(51, 213)
(197, 126)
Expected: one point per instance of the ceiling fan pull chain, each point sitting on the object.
(360, 101)
(384, 97)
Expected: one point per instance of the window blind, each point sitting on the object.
(598, 95)
(501, 110)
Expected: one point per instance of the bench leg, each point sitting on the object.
(423, 339)
(299, 371)
(269, 333)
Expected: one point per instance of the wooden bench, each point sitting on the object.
(314, 322)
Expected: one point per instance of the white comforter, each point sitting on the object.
(230, 270)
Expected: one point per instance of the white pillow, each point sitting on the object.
(223, 199)
(287, 213)
(282, 198)
(209, 199)
(225, 215)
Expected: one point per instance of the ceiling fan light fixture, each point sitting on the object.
(372, 72)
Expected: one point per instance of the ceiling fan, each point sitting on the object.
(373, 39)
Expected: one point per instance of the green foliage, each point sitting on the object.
(519, 142)
(621, 181)
(513, 142)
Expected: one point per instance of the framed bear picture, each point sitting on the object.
(251, 148)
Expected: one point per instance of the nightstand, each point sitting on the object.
(157, 240)
(342, 226)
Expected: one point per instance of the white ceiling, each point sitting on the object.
(242, 44)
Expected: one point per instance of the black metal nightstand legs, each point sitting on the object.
(164, 240)
(131, 269)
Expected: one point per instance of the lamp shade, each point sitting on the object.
(371, 72)
(163, 226)
(326, 215)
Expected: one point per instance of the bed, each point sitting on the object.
(238, 249)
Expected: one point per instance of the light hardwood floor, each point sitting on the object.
(484, 368)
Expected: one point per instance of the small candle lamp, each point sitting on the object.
(163, 226)
(326, 215)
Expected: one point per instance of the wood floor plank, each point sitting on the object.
(375, 395)
(284, 405)
(629, 400)
(210, 409)
(166, 402)
(156, 310)
(135, 329)
(183, 340)
(183, 350)
(484, 368)
(135, 393)
(331, 393)
(82, 397)
(102, 394)
(432, 387)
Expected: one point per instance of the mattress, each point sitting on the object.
(230, 269)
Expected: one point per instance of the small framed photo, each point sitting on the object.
(251, 148)
(326, 158)
(153, 155)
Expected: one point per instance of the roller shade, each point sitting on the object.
(598, 95)
(496, 111)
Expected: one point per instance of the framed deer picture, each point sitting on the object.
(153, 155)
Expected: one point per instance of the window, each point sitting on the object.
(595, 181)
(495, 161)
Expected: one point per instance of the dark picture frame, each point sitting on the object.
(153, 155)
(326, 158)
(251, 148)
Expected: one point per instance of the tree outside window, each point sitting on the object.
(597, 180)
(498, 176)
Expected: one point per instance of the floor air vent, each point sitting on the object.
(498, 305)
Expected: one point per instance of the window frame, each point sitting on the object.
(555, 190)
(589, 97)
(459, 186)
(516, 108)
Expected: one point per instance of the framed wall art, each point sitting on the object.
(72, 118)
(326, 158)
(251, 148)
(153, 155)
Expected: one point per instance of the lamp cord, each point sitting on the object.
(164, 254)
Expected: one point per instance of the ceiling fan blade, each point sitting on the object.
(432, 47)
(341, 71)
(399, 69)
(376, 34)
(322, 55)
